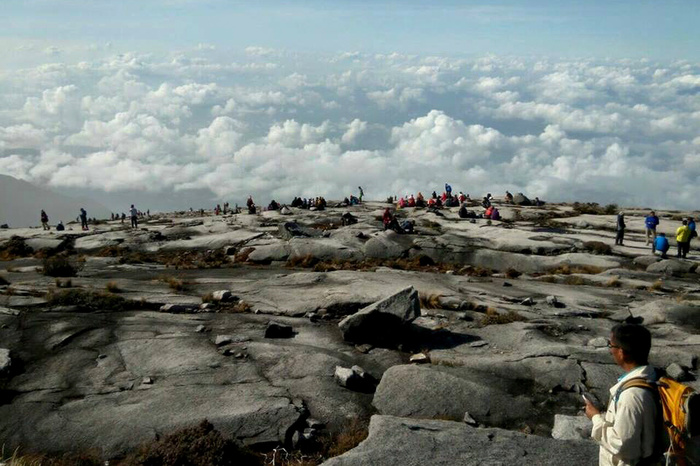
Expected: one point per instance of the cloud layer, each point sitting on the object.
(277, 124)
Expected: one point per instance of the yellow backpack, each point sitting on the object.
(680, 406)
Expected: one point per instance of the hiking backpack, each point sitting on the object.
(680, 407)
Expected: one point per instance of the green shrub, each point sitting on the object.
(92, 300)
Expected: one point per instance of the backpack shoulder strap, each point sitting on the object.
(636, 383)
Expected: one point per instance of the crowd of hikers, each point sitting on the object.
(468, 209)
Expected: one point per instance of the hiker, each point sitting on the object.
(495, 214)
(693, 233)
(60, 226)
(626, 431)
(251, 205)
(509, 197)
(448, 190)
(420, 200)
(620, 236)
(123, 217)
(134, 216)
(486, 202)
(463, 212)
(217, 209)
(45, 220)
(273, 205)
(461, 198)
(683, 239)
(411, 201)
(660, 244)
(83, 219)
(362, 193)
(387, 218)
(651, 221)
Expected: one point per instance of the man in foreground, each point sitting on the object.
(626, 431)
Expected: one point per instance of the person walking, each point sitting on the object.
(626, 431)
(683, 239)
(83, 219)
(45, 220)
(651, 221)
(134, 213)
(619, 238)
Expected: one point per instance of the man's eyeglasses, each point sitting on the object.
(610, 345)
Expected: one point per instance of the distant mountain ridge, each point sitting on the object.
(21, 203)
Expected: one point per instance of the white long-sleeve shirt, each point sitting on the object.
(625, 432)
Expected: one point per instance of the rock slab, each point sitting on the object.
(395, 441)
(382, 323)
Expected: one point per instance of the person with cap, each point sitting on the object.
(650, 222)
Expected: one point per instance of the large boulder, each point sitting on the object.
(432, 392)
(383, 322)
(521, 199)
(289, 230)
(384, 246)
(672, 267)
(571, 427)
(395, 441)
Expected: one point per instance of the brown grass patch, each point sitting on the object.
(174, 283)
(548, 279)
(566, 269)
(306, 261)
(242, 255)
(112, 287)
(597, 247)
(613, 282)
(429, 301)
(512, 273)
(15, 248)
(658, 285)
(493, 317)
(194, 446)
(59, 266)
(66, 459)
(574, 280)
(347, 438)
(92, 300)
(236, 308)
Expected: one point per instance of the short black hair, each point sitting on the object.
(635, 341)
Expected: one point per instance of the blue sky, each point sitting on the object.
(561, 28)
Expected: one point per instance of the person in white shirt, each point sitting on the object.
(626, 431)
(134, 216)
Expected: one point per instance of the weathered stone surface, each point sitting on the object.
(521, 199)
(223, 296)
(179, 308)
(354, 378)
(385, 245)
(678, 372)
(431, 391)
(382, 322)
(571, 427)
(672, 267)
(5, 361)
(395, 441)
(646, 261)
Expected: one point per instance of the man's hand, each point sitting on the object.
(591, 410)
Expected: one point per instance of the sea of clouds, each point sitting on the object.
(276, 124)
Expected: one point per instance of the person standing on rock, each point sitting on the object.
(693, 233)
(626, 431)
(134, 213)
(620, 229)
(362, 193)
(683, 239)
(651, 221)
(83, 219)
(45, 220)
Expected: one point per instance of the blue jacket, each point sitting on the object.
(661, 243)
(691, 225)
(651, 221)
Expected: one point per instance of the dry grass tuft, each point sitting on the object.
(512, 273)
(614, 282)
(574, 280)
(92, 300)
(493, 317)
(112, 287)
(429, 301)
(305, 261)
(66, 459)
(597, 247)
(174, 283)
(242, 255)
(658, 285)
(59, 266)
(348, 438)
(67, 283)
(566, 269)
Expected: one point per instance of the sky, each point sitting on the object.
(174, 104)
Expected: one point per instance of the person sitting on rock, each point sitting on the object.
(461, 198)
(495, 214)
(463, 212)
(488, 212)
(273, 205)
(486, 203)
(348, 219)
(407, 226)
(432, 202)
(402, 203)
(509, 197)
(660, 244)
(387, 218)
(538, 203)
(60, 226)
(411, 201)
(354, 200)
(435, 196)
